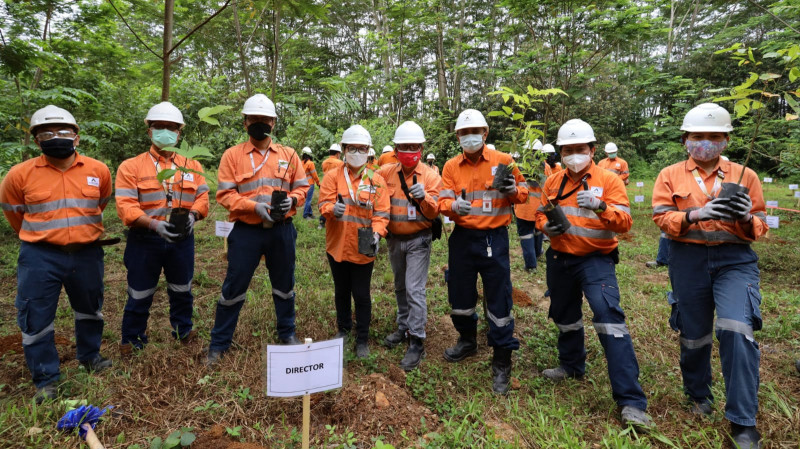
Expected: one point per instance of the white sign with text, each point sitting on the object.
(639, 184)
(792, 186)
(223, 228)
(772, 204)
(297, 370)
(773, 221)
(797, 194)
(638, 199)
(767, 180)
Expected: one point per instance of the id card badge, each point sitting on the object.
(412, 212)
(487, 202)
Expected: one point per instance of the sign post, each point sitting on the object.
(306, 413)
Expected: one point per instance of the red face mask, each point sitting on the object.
(409, 159)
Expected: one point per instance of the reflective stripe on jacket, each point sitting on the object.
(400, 222)
(527, 210)
(618, 166)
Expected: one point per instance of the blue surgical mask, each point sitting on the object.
(163, 138)
(471, 142)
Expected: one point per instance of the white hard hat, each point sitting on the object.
(490, 146)
(471, 118)
(307, 150)
(259, 104)
(536, 145)
(575, 131)
(387, 149)
(430, 157)
(335, 147)
(164, 112)
(547, 148)
(611, 147)
(515, 155)
(52, 115)
(371, 152)
(724, 158)
(409, 132)
(356, 135)
(708, 117)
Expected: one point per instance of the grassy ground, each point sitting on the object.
(165, 388)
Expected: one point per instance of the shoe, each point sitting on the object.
(745, 437)
(213, 357)
(45, 393)
(189, 337)
(466, 346)
(547, 293)
(797, 366)
(395, 338)
(125, 350)
(530, 270)
(362, 350)
(414, 354)
(632, 416)
(320, 227)
(291, 340)
(501, 370)
(701, 408)
(345, 335)
(97, 365)
(559, 374)
(654, 264)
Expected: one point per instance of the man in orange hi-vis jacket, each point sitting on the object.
(414, 190)
(143, 204)
(581, 262)
(388, 156)
(313, 178)
(614, 163)
(530, 239)
(333, 160)
(261, 183)
(55, 204)
(479, 243)
(356, 205)
(712, 266)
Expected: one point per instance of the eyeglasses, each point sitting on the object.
(408, 148)
(61, 134)
(362, 150)
(172, 128)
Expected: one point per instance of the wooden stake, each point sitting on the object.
(306, 413)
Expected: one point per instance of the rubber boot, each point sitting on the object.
(466, 346)
(501, 370)
(414, 354)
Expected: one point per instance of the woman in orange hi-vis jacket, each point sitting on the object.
(356, 207)
(313, 179)
(712, 266)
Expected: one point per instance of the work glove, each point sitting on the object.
(339, 208)
(739, 207)
(715, 209)
(286, 204)
(417, 191)
(376, 240)
(190, 223)
(263, 211)
(164, 229)
(587, 200)
(553, 230)
(509, 185)
(461, 206)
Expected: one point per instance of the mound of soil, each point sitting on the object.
(215, 438)
(521, 299)
(13, 343)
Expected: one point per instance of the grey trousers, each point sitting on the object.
(410, 260)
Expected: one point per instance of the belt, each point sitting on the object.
(75, 247)
(267, 225)
(404, 237)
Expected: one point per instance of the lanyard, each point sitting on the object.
(261, 165)
(350, 185)
(564, 180)
(167, 185)
(702, 184)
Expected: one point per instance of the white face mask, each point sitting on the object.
(576, 162)
(612, 155)
(356, 160)
(471, 142)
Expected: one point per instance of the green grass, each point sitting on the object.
(164, 388)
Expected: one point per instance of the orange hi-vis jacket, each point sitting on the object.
(618, 166)
(246, 179)
(311, 171)
(44, 204)
(372, 209)
(676, 192)
(459, 173)
(404, 218)
(591, 232)
(434, 167)
(373, 166)
(388, 158)
(558, 167)
(138, 191)
(330, 163)
(527, 210)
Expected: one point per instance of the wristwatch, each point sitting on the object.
(602, 208)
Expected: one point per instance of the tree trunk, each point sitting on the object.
(241, 49)
(456, 103)
(671, 34)
(440, 61)
(169, 12)
(276, 33)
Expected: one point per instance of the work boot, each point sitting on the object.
(414, 354)
(501, 370)
(291, 340)
(343, 334)
(97, 365)
(125, 350)
(745, 437)
(466, 346)
(632, 416)
(213, 357)
(362, 350)
(395, 338)
(189, 337)
(797, 366)
(653, 264)
(701, 409)
(45, 393)
(558, 374)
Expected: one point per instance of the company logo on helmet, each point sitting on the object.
(711, 116)
(54, 118)
(572, 134)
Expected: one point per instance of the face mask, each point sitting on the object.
(471, 142)
(612, 155)
(59, 147)
(259, 130)
(705, 150)
(551, 160)
(408, 159)
(163, 138)
(356, 160)
(576, 162)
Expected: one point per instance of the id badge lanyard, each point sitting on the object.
(350, 186)
(166, 185)
(717, 183)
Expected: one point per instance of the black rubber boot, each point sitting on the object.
(501, 370)
(395, 338)
(414, 354)
(745, 437)
(466, 346)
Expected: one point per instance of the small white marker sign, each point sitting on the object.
(639, 184)
(638, 199)
(797, 194)
(772, 204)
(773, 221)
(447, 219)
(297, 370)
(792, 186)
(768, 180)
(223, 228)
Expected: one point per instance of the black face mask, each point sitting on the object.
(259, 130)
(58, 148)
(551, 160)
